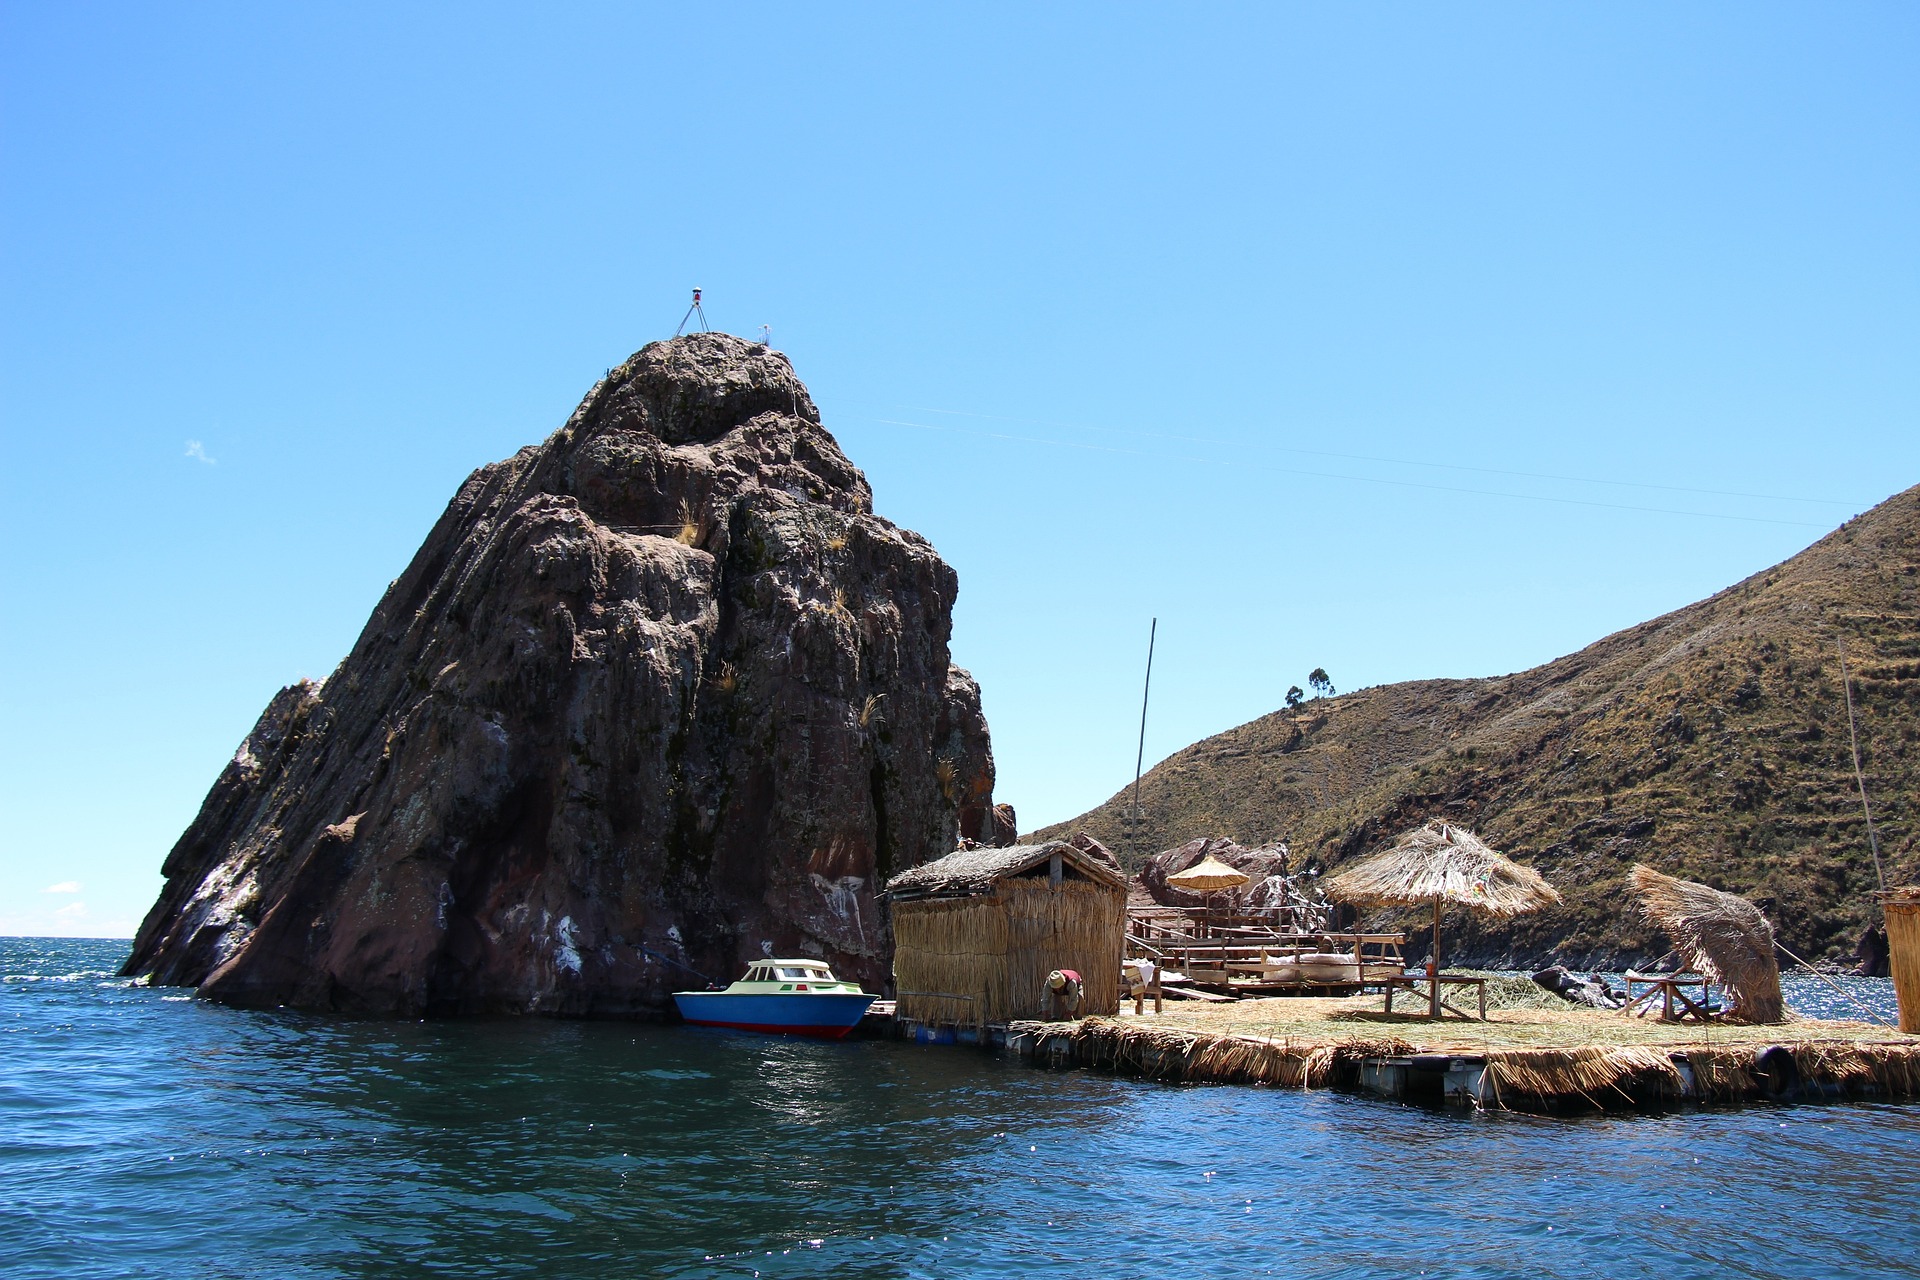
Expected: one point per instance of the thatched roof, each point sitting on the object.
(1720, 935)
(1442, 863)
(970, 871)
(1209, 874)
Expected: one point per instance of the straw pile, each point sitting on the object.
(1442, 863)
(1721, 936)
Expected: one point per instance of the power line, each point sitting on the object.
(1332, 475)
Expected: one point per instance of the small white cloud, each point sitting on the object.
(65, 886)
(198, 452)
(72, 911)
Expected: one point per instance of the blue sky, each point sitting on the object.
(1400, 340)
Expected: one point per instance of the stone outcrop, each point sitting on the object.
(655, 697)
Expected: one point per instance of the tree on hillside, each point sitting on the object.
(1317, 681)
(1294, 697)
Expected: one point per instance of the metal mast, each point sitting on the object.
(1141, 755)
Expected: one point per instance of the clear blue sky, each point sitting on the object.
(1272, 322)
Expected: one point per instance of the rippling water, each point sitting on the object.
(143, 1133)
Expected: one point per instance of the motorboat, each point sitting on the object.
(784, 997)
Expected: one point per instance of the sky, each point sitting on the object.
(1399, 340)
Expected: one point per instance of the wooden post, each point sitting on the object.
(1433, 966)
(1156, 987)
(1054, 872)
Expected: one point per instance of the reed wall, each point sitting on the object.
(1903, 960)
(986, 958)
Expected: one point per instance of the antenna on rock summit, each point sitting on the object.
(693, 311)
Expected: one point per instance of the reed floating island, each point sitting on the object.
(1529, 1057)
(979, 929)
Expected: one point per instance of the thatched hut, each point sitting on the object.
(977, 933)
(1720, 935)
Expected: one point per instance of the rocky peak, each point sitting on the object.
(659, 695)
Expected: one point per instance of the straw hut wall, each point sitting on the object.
(1902, 908)
(1720, 935)
(977, 932)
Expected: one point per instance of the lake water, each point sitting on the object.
(145, 1133)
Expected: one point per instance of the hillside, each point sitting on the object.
(1710, 743)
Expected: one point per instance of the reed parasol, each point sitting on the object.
(1722, 936)
(1208, 875)
(1441, 864)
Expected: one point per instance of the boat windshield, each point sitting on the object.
(803, 975)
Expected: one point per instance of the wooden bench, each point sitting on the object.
(1670, 989)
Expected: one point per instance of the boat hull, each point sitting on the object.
(828, 1015)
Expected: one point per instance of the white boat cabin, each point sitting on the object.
(795, 975)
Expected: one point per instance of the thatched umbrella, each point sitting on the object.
(1208, 876)
(1722, 936)
(1440, 864)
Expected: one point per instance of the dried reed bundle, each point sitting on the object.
(1720, 935)
(1161, 1053)
(1723, 1073)
(1583, 1072)
(1858, 1066)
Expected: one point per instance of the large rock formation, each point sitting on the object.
(660, 692)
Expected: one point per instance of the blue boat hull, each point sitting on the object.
(829, 1015)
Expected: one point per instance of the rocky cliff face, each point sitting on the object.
(660, 692)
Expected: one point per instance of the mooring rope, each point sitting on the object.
(645, 950)
(1844, 993)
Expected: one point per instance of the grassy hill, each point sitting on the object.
(1710, 743)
